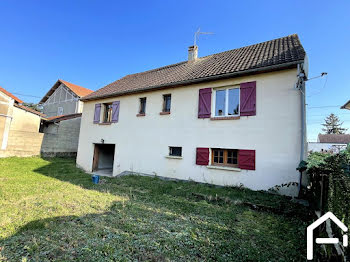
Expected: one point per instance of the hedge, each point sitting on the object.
(334, 173)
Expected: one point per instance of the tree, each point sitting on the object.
(333, 126)
(33, 106)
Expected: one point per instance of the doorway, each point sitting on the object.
(103, 158)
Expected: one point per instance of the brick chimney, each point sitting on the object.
(192, 53)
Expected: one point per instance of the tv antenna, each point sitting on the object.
(197, 33)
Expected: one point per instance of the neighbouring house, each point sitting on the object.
(329, 143)
(231, 118)
(63, 99)
(19, 127)
(61, 128)
(61, 135)
(346, 105)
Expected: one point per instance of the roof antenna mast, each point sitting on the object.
(197, 33)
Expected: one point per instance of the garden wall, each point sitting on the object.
(23, 144)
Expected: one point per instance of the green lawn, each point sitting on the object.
(50, 210)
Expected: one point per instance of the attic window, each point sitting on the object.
(60, 111)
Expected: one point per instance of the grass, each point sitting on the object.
(50, 210)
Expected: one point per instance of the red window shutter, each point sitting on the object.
(204, 104)
(248, 99)
(246, 159)
(115, 111)
(202, 156)
(97, 113)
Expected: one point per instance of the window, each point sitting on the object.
(60, 111)
(227, 102)
(107, 113)
(166, 103)
(224, 157)
(142, 109)
(175, 151)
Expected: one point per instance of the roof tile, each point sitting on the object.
(11, 95)
(334, 138)
(271, 53)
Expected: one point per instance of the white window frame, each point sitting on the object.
(58, 110)
(226, 101)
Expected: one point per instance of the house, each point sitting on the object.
(19, 127)
(63, 99)
(346, 105)
(329, 143)
(61, 128)
(231, 118)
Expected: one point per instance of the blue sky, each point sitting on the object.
(92, 43)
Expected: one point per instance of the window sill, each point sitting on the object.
(174, 157)
(225, 118)
(236, 169)
(105, 123)
(164, 113)
(140, 115)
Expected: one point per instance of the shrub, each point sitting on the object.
(333, 193)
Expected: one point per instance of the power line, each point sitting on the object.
(326, 114)
(320, 90)
(19, 94)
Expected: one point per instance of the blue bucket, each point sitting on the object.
(95, 179)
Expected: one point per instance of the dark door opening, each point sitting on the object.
(103, 157)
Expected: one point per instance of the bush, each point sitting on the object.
(333, 193)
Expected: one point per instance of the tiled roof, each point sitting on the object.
(62, 117)
(334, 138)
(78, 90)
(30, 110)
(275, 54)
(10, 95)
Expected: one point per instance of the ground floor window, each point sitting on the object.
(224, 157)
(175, 151)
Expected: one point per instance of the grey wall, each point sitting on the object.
(62, 97)
(69, 107)
(61, 138)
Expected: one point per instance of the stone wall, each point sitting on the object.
(61, 139)
(23, 144)
(23, 138)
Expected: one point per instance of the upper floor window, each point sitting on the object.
(227, 102)
(166, 103)
(142, 109)
(107, 117)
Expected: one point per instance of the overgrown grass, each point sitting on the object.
(50, 210)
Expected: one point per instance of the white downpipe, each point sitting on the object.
(6, 131)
